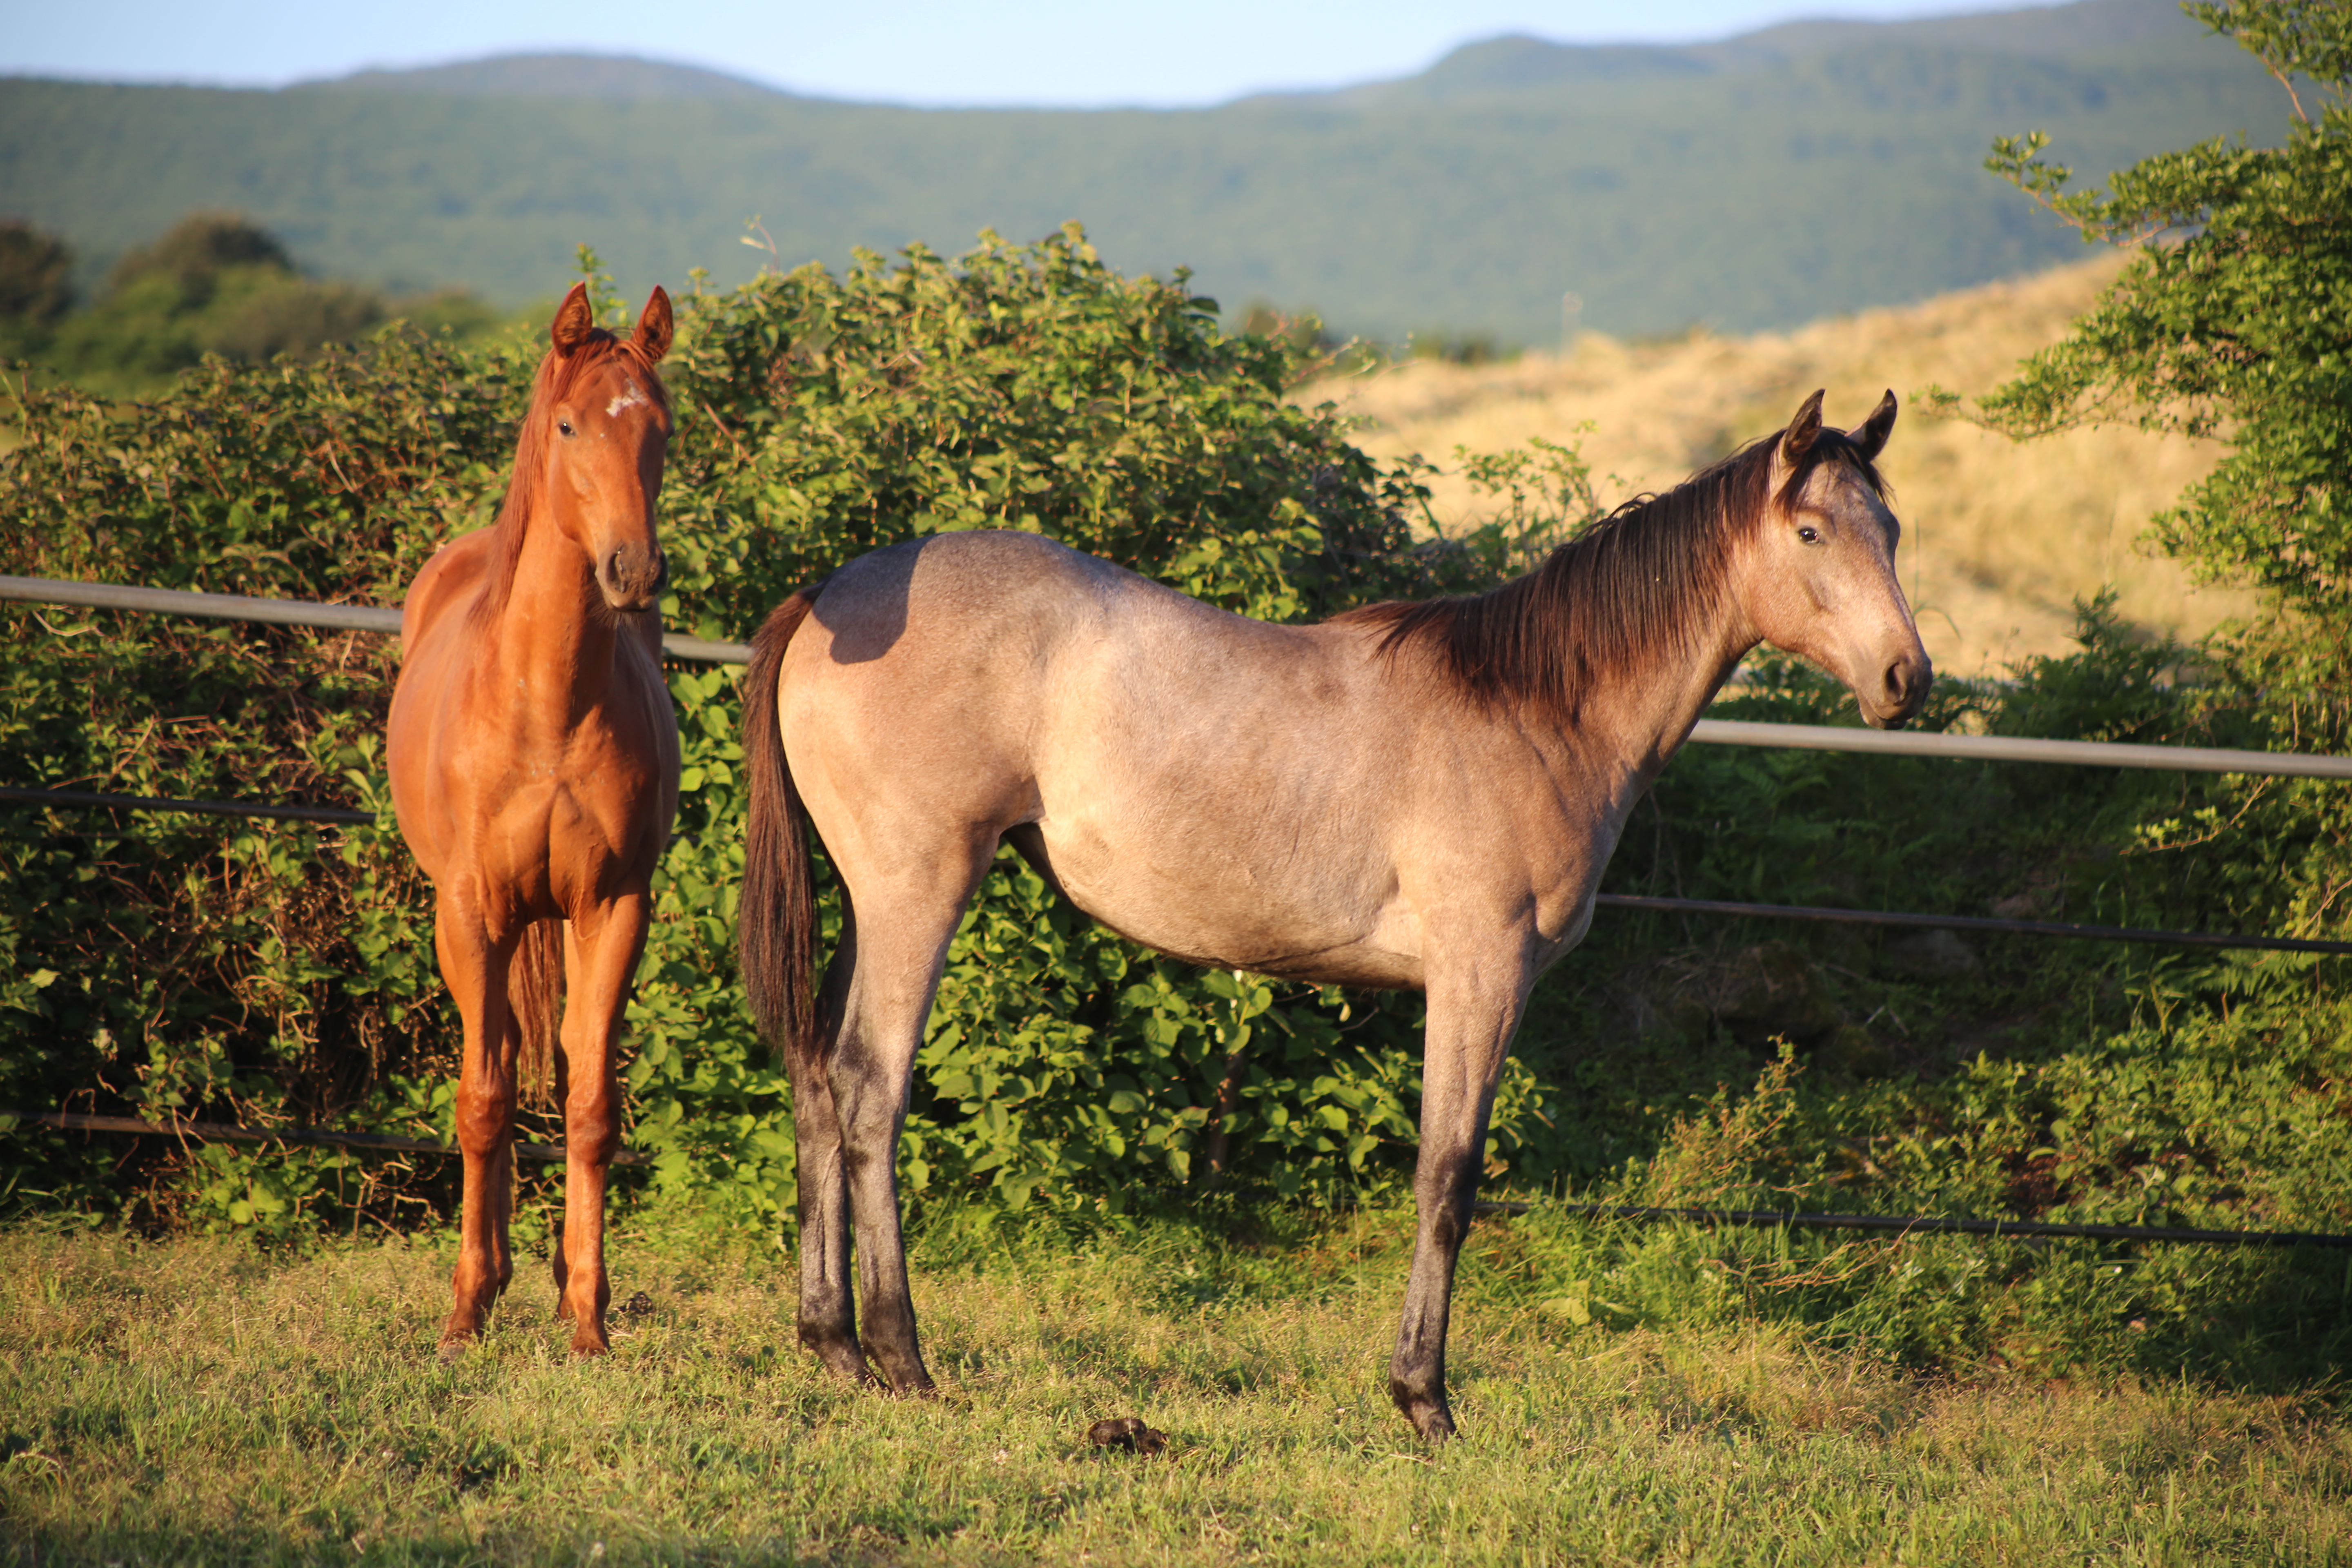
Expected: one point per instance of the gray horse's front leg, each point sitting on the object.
(1469, 1034)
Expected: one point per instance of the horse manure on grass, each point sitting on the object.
(1127, 1432)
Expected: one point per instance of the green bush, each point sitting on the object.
(268, 974)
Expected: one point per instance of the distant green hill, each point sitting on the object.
(1765, 179)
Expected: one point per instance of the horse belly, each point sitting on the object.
(1329, 918)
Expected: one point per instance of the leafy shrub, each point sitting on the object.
(272, 974)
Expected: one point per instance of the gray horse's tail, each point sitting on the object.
(776, 926)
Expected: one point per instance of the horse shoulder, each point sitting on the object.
(445, 586)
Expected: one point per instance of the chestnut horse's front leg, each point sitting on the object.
(1472, 1016)
(601, 953)
(474, 967)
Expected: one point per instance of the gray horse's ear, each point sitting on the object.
(1798, 439)
(654, 326)
(1872, 433)
(574, 320)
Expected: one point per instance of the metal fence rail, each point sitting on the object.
(1968, 922)
(1709, 732)
(91, 800)
(2010, 748)
(201, 1130)
(1635, 901)
(1928, 1224)
(1899, 1224)
(283, 612)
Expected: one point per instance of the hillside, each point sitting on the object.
(1755, 182)
(1999, 539)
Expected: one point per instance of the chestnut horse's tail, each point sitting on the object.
(776, 925)
(535, 994)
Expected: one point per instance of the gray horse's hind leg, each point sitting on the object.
(902, 949)
(827, 1323)
(1469, 1034)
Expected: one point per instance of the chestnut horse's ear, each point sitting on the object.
(1872, 433)
(1798, 439)
(574, 320)
(654, 326)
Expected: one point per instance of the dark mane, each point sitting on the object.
(557, 375)
(1637, 586)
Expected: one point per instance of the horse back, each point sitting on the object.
(1273, 797)
(1217, 787)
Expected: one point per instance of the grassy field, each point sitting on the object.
(198, 1401)
(1999, 539)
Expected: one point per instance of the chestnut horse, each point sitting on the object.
(1410, 795)
(533, 754)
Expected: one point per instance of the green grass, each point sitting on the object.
(197, 1400)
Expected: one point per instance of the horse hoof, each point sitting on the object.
(453, 1350)
(842, 1353)
(1435, 1426)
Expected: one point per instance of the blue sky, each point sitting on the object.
(1059, 52)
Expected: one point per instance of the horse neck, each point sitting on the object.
(1647, 711)
(555, 634)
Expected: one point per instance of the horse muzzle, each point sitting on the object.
(631, 576)
(1902, 691)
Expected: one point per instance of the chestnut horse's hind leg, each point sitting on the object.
(1471, 1021)
(475, 970)
(602, 960)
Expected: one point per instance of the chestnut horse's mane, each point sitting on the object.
(1637, 586)
(558, 373)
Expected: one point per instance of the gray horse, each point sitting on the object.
(1410, 795)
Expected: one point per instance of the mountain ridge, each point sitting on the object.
(1756, 195)
(607, 78)
(1507, 62)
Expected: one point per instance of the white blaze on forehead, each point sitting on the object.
(631, 398)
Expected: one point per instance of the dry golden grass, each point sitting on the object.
(1999, 538)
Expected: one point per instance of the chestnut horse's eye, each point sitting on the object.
(1809, 534)
(564, 426)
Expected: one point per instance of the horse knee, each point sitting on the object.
(590, 1127)
(483, 1125)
